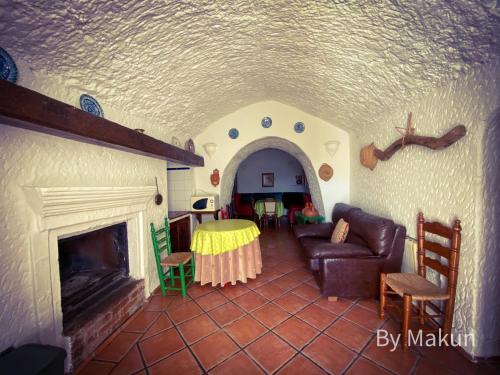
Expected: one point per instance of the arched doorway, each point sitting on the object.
(282, 144)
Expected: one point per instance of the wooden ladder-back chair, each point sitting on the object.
(416, 287)
(270, 212)
(166, 262)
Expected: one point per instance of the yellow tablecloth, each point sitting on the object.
(260, 208)
(217, 237)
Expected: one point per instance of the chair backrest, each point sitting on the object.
(161, 240)
(270, 206)
(342, 211)
(448, 268)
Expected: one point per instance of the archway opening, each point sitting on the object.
(276, 143)
(270, 173)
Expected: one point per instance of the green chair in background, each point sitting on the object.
(166, 262)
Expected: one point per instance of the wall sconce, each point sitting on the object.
(332, 147)
(210, 148)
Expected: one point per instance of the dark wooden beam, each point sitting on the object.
(28, 109)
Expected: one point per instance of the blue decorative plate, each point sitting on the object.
(90, 105)
(8, 68)
(266, 122)
(299, 127)
(233, 133)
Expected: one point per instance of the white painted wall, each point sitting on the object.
(248, 121)
(30, 159)
(444, 184)
(284, 167)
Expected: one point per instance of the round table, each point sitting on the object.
(226, 251)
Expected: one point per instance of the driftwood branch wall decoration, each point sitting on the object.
(433, 143)
(370, 154)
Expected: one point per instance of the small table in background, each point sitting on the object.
(260, 208)
(301, 219)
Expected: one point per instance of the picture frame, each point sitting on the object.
(267, 179)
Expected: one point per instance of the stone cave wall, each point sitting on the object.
(444, 185)
(28, 159)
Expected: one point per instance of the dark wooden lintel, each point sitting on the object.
(22, 107)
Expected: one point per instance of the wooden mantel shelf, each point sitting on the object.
(28, 109)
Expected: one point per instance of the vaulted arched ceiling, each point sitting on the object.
(184, 64)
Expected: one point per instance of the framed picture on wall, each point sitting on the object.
(299, 179)
(267, 179)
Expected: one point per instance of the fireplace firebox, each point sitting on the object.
(91, 266)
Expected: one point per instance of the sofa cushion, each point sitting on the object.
(319, 248)
(340, 232)
(375, 232)
(323, 230)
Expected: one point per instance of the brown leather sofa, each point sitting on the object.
(352, 269)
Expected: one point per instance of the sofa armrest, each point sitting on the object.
(354, 277)
(313, 230)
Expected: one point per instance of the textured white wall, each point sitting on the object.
(248, 121)
(281, 164)
(443, 184)
(33, 159)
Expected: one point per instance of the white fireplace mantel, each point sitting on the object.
(55, 206)
(62, 212)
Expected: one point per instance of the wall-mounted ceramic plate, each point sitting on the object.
(90, 105)
(266, 122)
(299, 127)
(189, 146)
(8, 68)
(233, 133)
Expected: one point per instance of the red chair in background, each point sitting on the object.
(242, 209)
(306, 198)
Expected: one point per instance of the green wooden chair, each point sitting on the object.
(166, 262)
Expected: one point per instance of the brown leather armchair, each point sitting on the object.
(352, 269)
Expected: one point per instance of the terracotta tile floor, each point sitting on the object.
(278, 323)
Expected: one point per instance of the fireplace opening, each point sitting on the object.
(92, 266)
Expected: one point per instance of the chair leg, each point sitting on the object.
(163, 286)
(183, 280)
(421, 312)
(448, 317)
(383, 289)
(171, 271)
(406, 320)
(193, 268)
